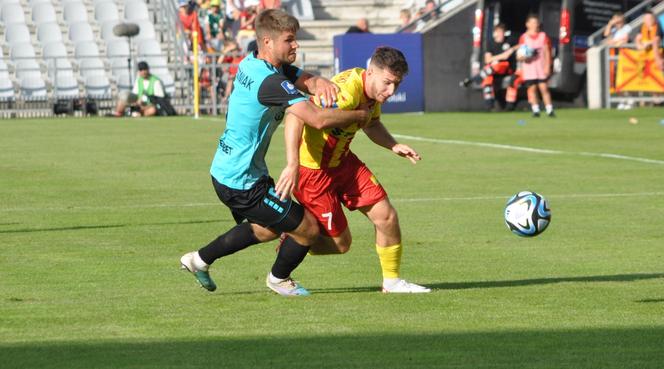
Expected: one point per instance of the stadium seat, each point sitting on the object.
(97, 86)
(107, 30)
(34, 2)
(12, 13)
(55, 54)
(149, 47)
(156, 62)
(91, 67)
(123, 83)
(80, 31)
(21, 51)
(117, 49)
(6, 86)
(43, 13)
(3, 2)
(27, 68)
(33, 88)
(75, 12)
(105, 11)
(135, 10)
(17, 33)
(65, 86)
(48, 32)
(86, 49)
(147, 29)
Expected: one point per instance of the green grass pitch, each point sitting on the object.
(95, 213)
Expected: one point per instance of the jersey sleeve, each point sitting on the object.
(277, 90)
(292, 72)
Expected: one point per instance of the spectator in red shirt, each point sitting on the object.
(189, 19)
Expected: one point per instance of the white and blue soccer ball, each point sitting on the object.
(525, 51)
(527, 214)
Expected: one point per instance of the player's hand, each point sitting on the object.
(406, 152)
(326, 91)
(287, 181)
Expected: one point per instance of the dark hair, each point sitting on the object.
(143, 66)
(390, 58)
(532, 15)
(272, 22)
(500, 26)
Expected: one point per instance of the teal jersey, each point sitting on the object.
(261, 94)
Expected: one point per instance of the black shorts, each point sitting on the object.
(261, 205)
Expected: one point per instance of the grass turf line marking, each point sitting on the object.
(530, 149)
(206, 204)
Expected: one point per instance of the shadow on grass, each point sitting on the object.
(512, 283)
(650, 301)
(592, 348)
(104, 226)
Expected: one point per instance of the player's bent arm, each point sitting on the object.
(318, 86)
(293, 127)
(377, 132)
(320, 118)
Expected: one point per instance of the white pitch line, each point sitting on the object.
(428, 199)
(530, 149)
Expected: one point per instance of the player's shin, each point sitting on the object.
(290, 255)
(238, 238)
(390, 261)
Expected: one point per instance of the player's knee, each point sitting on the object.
(343, 243)
(309, 228)
(387, 219)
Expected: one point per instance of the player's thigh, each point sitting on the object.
(358, 186)
(149, 110)
(261, 205)
(381, 214)
(316, 193)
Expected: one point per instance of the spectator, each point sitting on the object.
(232, 22)
(405, 18)
(362, 26)
(617, 31)
(650, 39)
(189, 19)
(430, 10)
(535, 54)
(269, 4)
(146, 87)
(231, 59)
(214, 24)
(499, 60)
(247, 32)
(414, 5)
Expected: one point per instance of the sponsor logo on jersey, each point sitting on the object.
(289, 87)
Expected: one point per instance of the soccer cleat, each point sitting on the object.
(287, 287)
(551, 114)
(202, 276)
(465, 83)
(402, 286)
(536, 114)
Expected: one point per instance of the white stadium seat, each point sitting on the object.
(91, 67)
(107, 30)
(146, 30)
(149, 47)
(33, 88)
(97, 86)
(21, 51)
(117, 49)
(17, 33)
(135, 10)
(12, 13)
(75, 12)
(43, 13)
(65, 86)
(105, 11)
(86, 49)
(27, 68)
(48, 32)
(80, 31)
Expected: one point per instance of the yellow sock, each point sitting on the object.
(390, 260)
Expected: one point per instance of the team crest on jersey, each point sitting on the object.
(289, 87)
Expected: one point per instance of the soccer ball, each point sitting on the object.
(524, 51)
(527, 214)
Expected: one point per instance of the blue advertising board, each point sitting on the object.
(354, 50)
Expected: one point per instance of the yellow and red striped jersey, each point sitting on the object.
(326, 148)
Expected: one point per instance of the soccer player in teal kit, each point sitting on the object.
(266, 87)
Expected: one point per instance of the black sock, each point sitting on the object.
(238, 238)
(290, 256)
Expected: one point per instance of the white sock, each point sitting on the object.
(274, 279)
(199, 264)
(549, 109)
(535, 108)
(389, 282)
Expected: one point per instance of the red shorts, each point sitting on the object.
(322, 191)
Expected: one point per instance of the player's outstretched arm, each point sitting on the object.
(377, 132)
(320, 118)
(287, 182)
